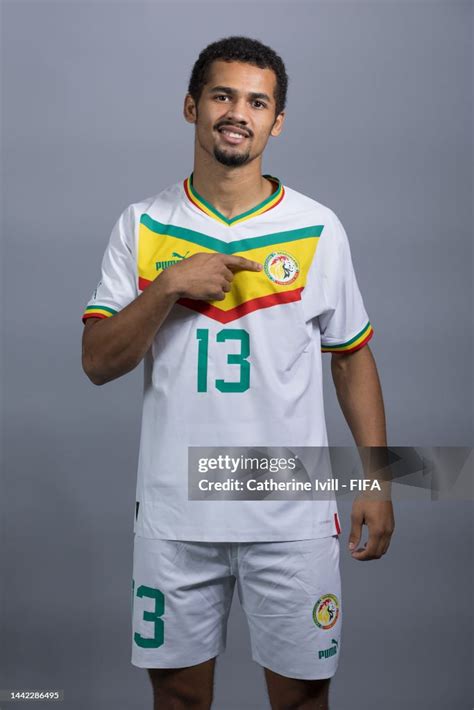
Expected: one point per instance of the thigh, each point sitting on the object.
(291, 595)
(181, 597)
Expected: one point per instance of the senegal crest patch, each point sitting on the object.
(326, 611)
(281, 268)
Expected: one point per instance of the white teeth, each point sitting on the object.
(232, 134)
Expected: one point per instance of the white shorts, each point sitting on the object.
(289, 591)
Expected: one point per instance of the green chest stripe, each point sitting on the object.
(204, 240)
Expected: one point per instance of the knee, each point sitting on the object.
(300, 702)
(171, 693)
(181, 699)
(302, 695)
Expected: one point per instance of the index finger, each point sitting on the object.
(240, 263)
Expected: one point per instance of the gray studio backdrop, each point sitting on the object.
(378, 129)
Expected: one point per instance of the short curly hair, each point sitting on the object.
(240, 49)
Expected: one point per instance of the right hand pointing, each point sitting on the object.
(206, 277)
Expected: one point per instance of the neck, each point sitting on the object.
(231, 191)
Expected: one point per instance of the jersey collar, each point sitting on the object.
(206, 207)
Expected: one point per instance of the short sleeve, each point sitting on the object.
(333, 294)
(117, 286)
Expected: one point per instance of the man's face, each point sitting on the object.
(236, 112)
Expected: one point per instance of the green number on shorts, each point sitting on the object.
(240, 359)
(154, 616)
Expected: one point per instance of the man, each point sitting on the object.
(229, 285)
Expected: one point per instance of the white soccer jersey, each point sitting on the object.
(242, 372)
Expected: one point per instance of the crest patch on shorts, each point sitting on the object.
(326, 611)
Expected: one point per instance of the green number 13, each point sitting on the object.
(202, 334)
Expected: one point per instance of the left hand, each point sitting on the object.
(379, 518)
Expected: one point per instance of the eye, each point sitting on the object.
(261, 104)
(221, 96)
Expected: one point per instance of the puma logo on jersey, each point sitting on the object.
(165, 264)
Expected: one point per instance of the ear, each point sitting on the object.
(278, 125)
(189, 109)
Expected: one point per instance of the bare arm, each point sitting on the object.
(113, 346)
(360, 397)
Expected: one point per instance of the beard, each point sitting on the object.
(231, 160)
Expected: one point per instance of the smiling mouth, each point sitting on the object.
(231, 136)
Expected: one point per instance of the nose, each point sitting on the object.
(237, 112)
